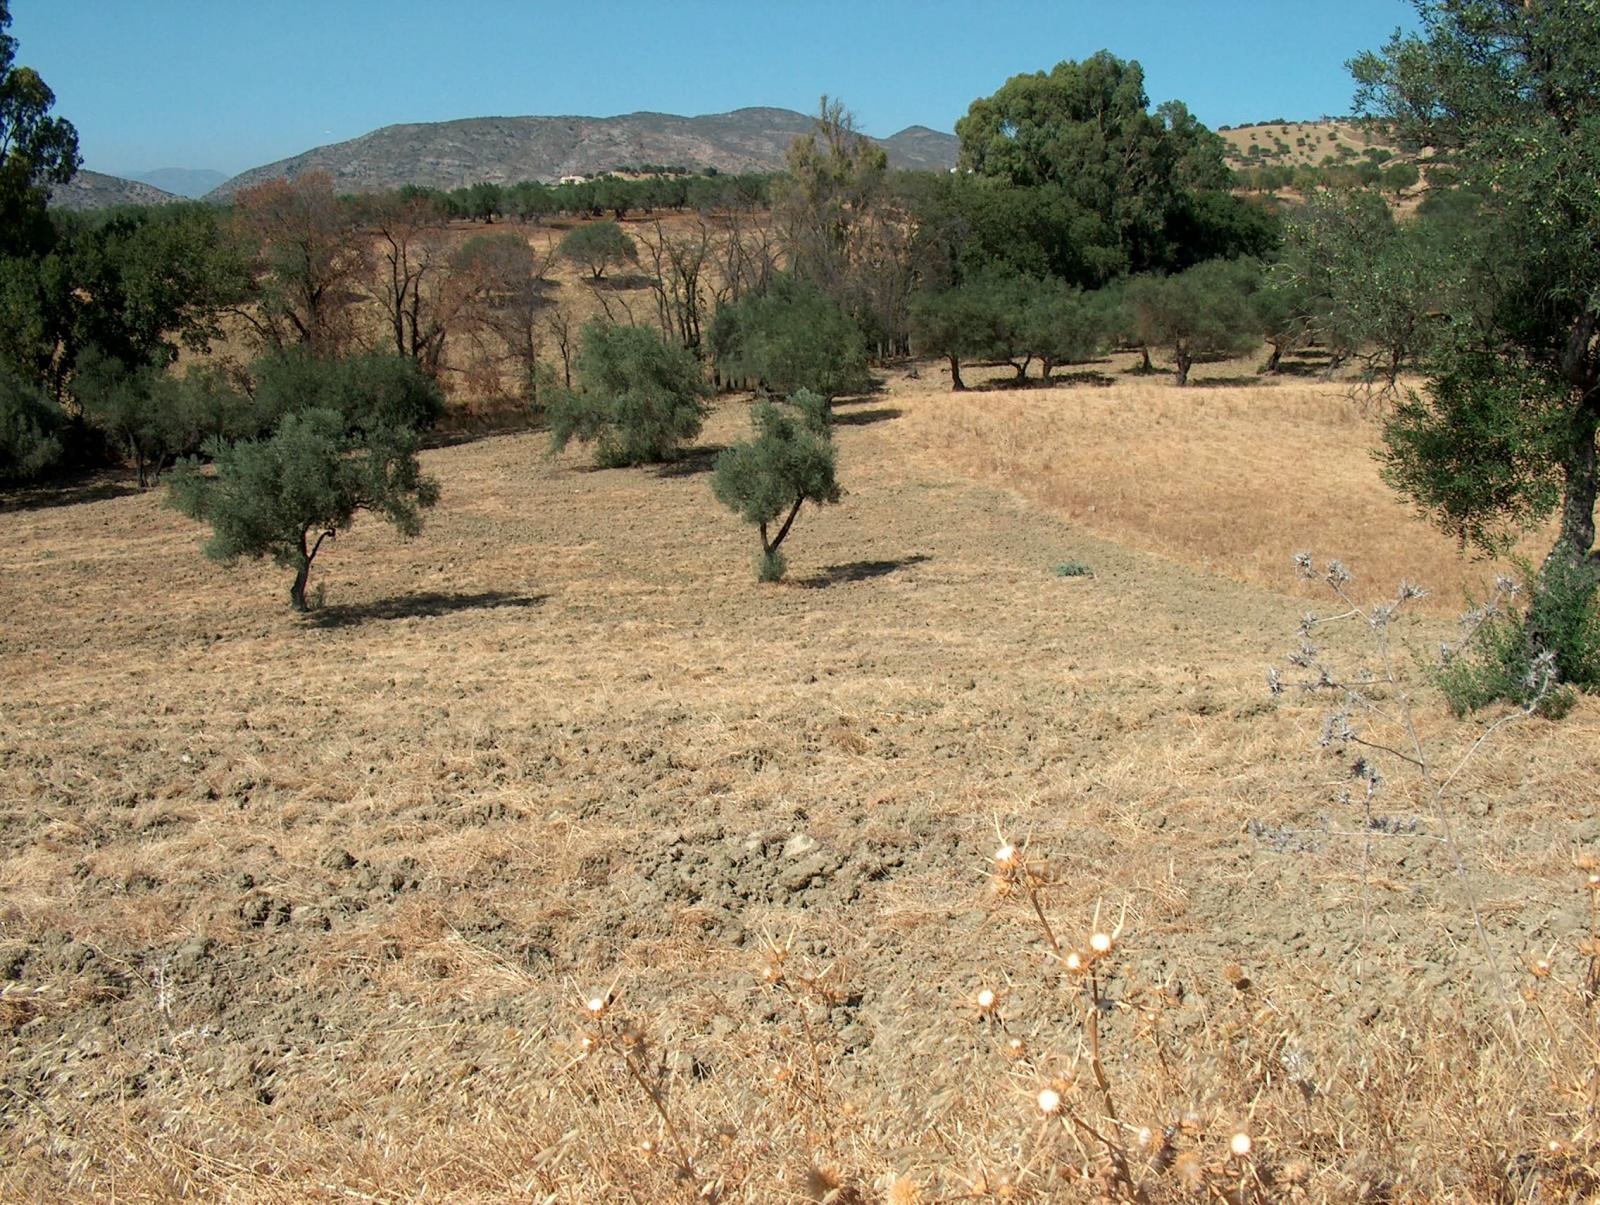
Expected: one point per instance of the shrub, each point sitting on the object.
(370, 392)
(637, 399)
(30, 441)
(1533, 656)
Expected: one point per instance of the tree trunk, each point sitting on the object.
(770, 547)
(297, 592)
(957, 385)
(1578, 494)
(1184, 361)
(1274, 364)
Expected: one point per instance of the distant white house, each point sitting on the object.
(574, 179)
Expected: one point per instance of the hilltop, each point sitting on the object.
(506, 150)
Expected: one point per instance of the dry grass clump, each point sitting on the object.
(314, 909)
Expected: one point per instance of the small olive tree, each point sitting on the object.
(283, 496)
(1202, 313)
(789, 462)
(637, 398)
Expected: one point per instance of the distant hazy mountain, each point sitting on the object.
(505, 150)
(92, 190)
(184, 181)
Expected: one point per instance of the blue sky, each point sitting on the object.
(231, 84)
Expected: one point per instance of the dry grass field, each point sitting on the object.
(314, 909)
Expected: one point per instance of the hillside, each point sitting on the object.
(94, 190)
(311, 909)
(1293, 143)
(505, 150)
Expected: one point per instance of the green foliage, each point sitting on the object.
(1202, 313)
(266, 497)
(1508, 89)
(1480, 449)
(791, 337)
(1538, 655)
(790, 461)
(1074, 569)
(155, 417)
(771, 566)
(1085, 129)
(598, 246)
(30, 443)
(1370, 285)
(637, 399)
(370, 393)
(36, 150)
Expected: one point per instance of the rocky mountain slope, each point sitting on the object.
(94, 190)
(505, 150)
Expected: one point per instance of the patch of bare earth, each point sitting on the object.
(310, 909)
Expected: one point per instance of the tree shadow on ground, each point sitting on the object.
(862, 418)
(67, 491)
(691, 462)
(624, 282)
(1227, 382)
(419, 606)
(859, 571)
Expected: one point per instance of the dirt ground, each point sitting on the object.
(310, 909)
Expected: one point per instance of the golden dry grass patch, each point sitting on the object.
(298, 909)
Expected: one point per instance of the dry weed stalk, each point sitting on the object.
(606, 1034)
(1381, 703)
(1114, 1158)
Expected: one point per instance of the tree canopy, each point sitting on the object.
(789, 462)
(1084, 130)
(1511, 413)
(637, 398)
(36, 149)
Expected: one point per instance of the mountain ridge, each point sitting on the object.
(507, 150)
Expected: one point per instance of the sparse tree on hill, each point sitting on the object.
(504, 282)
(637, 399)
(311, 264)
(420, 298)
(677, 278)
(791, 461)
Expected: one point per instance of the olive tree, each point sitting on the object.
(1505, 430)
(597, 246)
(1197, 314)
(285, 495)
(789, 462)
(332, 438)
